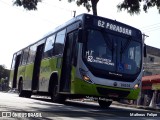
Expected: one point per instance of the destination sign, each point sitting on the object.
(114, 27)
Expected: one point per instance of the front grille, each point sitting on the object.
(106, 92)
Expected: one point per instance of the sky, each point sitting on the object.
(19, 27)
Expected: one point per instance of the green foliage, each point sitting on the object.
(3, 72)
(133, 6)
(27, 4)
(32, 4)
(88, 4)
(85, 3)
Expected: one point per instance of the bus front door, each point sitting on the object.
(65, 81)
(17, 62)
(36, 71)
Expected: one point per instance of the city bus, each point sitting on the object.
(87, 56)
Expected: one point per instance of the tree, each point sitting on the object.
(86, 3)
(32, 4)
(132, 6)
(4, 75)
(3, 72)
(27, 4)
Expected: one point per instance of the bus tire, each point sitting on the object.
(27, 94)
(55, 96)
(104, 104)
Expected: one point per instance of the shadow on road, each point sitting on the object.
(73, 109)
(89, 106)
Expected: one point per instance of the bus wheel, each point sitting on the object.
(20, 90)
(55, 96)
(104, 104)
(28, 94)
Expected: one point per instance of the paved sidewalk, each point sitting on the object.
(124, 104)
(136, 106)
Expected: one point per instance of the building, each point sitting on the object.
(152, 61)
(150, 94)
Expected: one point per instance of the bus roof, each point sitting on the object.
(81, 17)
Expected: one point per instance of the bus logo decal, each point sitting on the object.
(115, 84)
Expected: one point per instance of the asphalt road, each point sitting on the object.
(41, 108)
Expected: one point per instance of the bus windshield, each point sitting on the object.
(109, 52)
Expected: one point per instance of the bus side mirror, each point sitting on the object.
(80, 35)
(145, 50)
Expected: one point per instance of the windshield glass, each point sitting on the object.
(112, 53)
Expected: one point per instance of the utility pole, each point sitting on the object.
(74, 13)
(144, 36)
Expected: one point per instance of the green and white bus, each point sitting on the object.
(87, 56)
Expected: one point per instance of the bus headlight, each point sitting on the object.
(85, 77)
(136, 86)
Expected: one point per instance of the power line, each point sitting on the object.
(5, 3)
(61, 8)
(33, 15)
(29, 13)
(55, 6)
(153, 29)
(150, 26)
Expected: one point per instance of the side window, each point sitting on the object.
(32, 53)
(21, 57)
(25, 56)
(59, 43)
(13, 61)
(49, 46)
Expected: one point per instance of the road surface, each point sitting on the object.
(13, 107)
